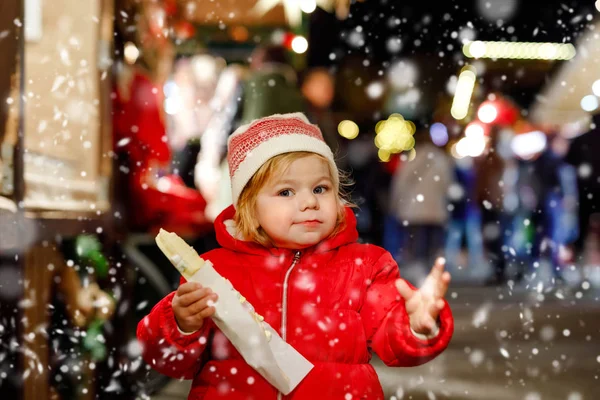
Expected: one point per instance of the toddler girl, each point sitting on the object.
(289, 245)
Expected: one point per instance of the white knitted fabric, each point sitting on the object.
(253, 144)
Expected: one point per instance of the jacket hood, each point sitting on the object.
(229, 238)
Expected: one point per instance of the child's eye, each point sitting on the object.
(285, 193)
(320, 189)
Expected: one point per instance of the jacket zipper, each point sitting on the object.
(284, 304)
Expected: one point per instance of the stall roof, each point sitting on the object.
(559, 102)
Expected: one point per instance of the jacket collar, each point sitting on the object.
(229, 238)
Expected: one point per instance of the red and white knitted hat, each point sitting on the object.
(253, 144)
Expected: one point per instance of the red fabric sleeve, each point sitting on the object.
(387, 325)
(166, 349)
(146, 113)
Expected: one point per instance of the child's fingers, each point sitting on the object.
(443, 284)
(203, 303)
(192, 297)
(446, 277)
(425, 325)
(434, 309)
(207, 312)
(438, 268)
(430, 324)
(440, 304)
(188, 287)
(405, 291)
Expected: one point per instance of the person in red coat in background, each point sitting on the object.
(289, 245)
(156, 197)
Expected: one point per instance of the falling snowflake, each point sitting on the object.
(585, 171)
(375, 90)
(476, 357)
(394, 45)
(575, 396)
(481, 315)
(533, 396)
(356, 38)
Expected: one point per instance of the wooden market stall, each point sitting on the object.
(55, 185)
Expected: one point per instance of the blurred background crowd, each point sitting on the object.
(493, 177)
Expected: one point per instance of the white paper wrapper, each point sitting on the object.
(278, 362)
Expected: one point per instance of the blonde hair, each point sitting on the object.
(245, 216)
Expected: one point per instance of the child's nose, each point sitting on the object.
(309, 200)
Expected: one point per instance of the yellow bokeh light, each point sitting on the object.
(464, 90)
(454, 152)
(394, 135)
(519, 50)
(396, 116)
(348, 129)
(383, 155)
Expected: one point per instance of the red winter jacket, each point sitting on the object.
(341, 304)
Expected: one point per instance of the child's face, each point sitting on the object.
(299, 207)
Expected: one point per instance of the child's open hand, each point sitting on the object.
(191, 304)
(424, 305)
